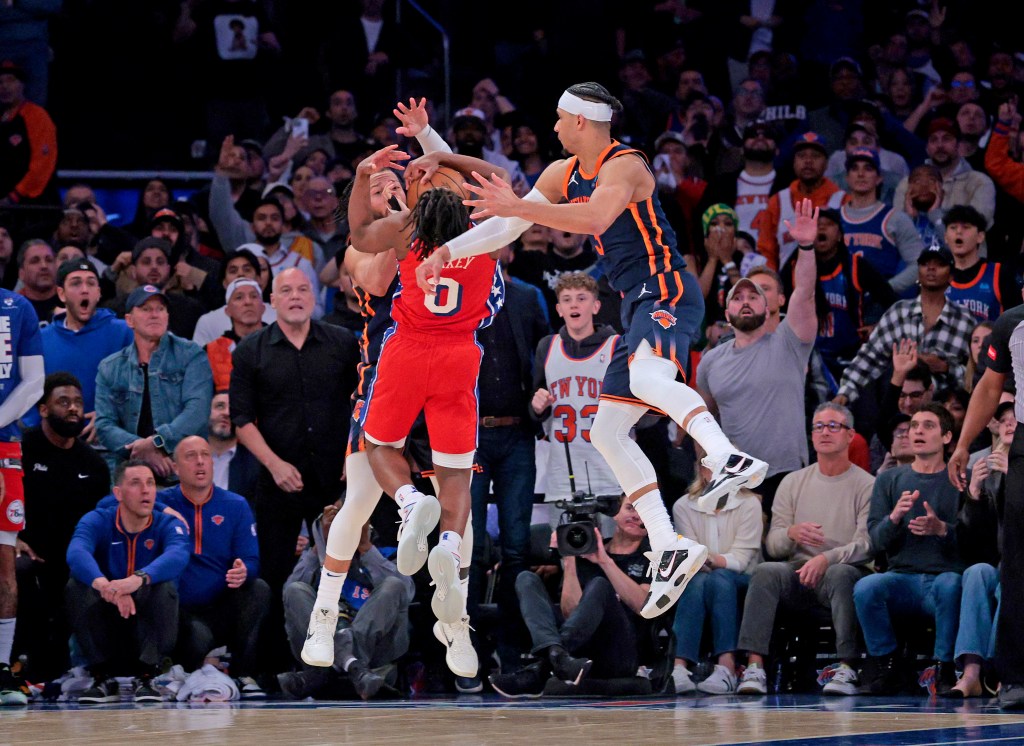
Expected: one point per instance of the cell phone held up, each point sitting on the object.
(300, 127)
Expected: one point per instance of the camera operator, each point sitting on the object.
(597, 618)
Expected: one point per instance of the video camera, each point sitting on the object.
(575, 531)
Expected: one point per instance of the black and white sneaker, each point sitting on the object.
(101, 692)
(145, 692)
(728, 475)
(670, 570)
(526, 683)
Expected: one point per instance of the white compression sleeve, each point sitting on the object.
(28, 391)
(361, 495)
(610, 436)
(431, 141)
(492, 233)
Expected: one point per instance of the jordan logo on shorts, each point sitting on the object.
(644, 291)
(664, 318)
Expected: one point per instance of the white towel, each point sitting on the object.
(207, 684)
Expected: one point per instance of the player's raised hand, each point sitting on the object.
(387, 157)
(493, 198)
(413, 117)
(806, 227)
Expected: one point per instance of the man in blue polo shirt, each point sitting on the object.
(122, 599)
(223, 599)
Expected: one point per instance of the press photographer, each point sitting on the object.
(595, 627)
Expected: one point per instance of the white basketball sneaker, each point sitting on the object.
(449, 600)
(418, 520)
(729, 474)
(670, 571)
(461, 656)
(318, 649)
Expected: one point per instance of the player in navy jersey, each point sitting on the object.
(608, 190)
(21, 386)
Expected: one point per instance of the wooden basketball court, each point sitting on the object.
(487, 719)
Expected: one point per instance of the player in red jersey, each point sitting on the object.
(375, 278)
(429, 362)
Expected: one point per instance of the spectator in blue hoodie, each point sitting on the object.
(76, 341)
(223, 599)
(122, 599)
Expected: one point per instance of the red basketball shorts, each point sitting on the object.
(12, 493)
(436, 375)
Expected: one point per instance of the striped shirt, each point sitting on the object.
(949, 338)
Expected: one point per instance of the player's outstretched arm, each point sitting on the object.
(370, 233)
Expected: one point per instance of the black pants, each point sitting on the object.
(133, 645)
(599, 628)
(1009, 633)
(234, 619)
(279, 519)
(42, 630)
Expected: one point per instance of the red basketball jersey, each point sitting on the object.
(469, 293)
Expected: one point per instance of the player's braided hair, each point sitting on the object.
(438, 216)
(595, 92)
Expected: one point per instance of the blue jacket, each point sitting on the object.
(100, 547)
(81, 352)
(180, 392)
(220, 530)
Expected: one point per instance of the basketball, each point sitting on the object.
(445, 177)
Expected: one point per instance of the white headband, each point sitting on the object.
(592, 110)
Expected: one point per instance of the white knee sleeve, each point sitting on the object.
(610, 436)
(653, 380)
(361, 495)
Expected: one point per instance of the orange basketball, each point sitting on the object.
(445, 177)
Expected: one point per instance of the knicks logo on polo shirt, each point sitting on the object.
(149, 543)
(217, 520)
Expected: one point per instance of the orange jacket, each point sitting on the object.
(1005, 171)
(767, 221)
(42, 140)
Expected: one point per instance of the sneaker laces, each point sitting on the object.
(323, 627)
(459, 636)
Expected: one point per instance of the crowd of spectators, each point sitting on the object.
(187, 446)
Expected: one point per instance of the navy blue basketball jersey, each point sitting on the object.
(376, 312)
(980, 294)
(640, 243)
(870, 237)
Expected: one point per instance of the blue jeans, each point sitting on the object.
(885, 595)
(718, 592)
(979, 609)
(507, 457)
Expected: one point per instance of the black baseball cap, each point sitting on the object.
(941, 253)
(151, 242)
(74, 265)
